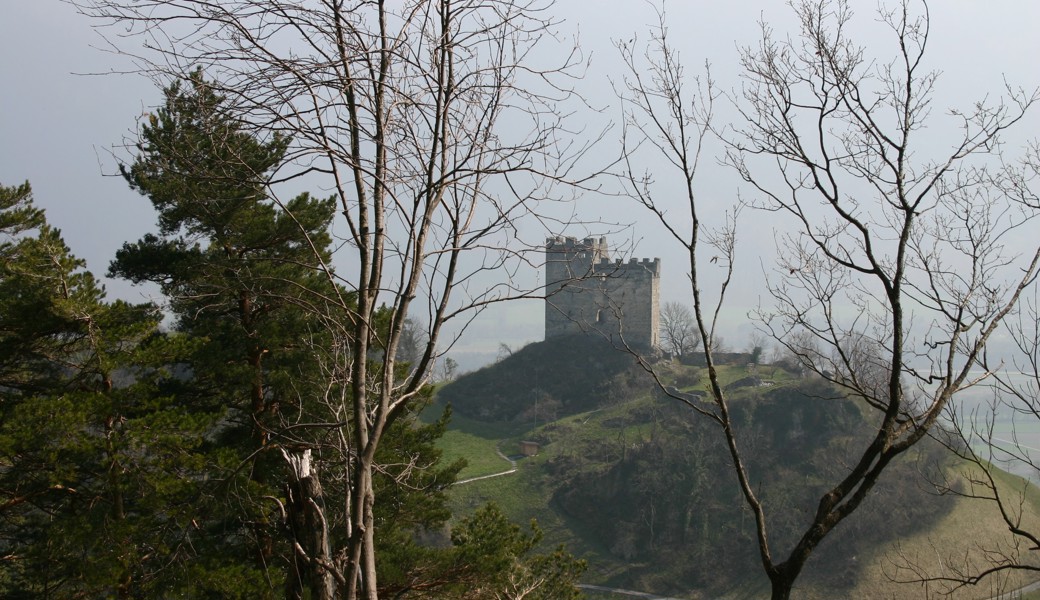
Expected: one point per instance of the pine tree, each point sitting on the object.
(239, 273)
(88, 501)
(246, 279)
(242, 278)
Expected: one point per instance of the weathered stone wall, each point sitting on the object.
(587, 291)
(570, 284)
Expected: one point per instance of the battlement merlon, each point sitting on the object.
(570, 245)
(634, 266)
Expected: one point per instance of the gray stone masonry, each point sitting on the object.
(587, 291)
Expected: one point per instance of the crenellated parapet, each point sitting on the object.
(649, 267)
(589, 250)
(560, 243)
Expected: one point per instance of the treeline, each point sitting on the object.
(217, 457)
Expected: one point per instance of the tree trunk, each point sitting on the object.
(369, 551)
(365, 499)
(781, 589)
(783, 576)
(312, 556)
(361, 575)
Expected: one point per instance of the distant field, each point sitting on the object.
(1014, 435)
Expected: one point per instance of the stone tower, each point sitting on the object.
(587, 291)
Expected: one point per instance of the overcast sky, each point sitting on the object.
(59, 121)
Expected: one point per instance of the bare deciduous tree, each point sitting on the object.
(899, 258)
(678, 332)
(993, 433)
(420, 119)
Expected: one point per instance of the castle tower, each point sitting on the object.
(586, 291)
(569, 282)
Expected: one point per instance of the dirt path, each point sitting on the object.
(643, 595)
(511, 470)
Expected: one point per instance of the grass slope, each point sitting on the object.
(958, 541)
(598, 440)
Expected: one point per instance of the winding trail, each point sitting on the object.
(510, 471)
(643, 595)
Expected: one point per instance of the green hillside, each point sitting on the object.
(545, 381)
(641, 487)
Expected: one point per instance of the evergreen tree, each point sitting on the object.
(500, 563)
(241, 274)
(211, 460)
(88, 499)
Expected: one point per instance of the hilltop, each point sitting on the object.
(641, 486)
(547, 380)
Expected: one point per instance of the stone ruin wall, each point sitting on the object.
(588, 291)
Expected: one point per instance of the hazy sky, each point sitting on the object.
(59, 123)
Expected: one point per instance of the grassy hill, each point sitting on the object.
(547, 380)
(640, 486)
